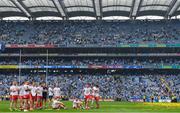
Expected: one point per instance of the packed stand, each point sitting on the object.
(122, 87)
(90, 33)
(93, 61)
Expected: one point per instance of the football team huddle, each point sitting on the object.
(32, 96)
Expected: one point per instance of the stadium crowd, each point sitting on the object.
(123, 87)
(90, 33)
(93, 61)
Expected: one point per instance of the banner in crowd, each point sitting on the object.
(150, 45)
(88, 67)
(30, 46)
(9, 66)
(122, 45)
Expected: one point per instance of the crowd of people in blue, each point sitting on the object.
(124, 87)
(90, 33)
(92, 61)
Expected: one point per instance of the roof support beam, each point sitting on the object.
(97, 8)
(135, 8)
(132, 8)
(173, 8)
(60, 7)
(101, 9)
(21, 7)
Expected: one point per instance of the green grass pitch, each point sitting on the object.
(112, 107)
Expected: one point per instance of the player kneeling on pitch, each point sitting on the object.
(56, 104)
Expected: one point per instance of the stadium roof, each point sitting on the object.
(91, 8)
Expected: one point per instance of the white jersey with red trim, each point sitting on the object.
(14, 90)
(26, 89)
(87, 91)
(57, 92)
(95, 91)
(33, 90)
(39, 91)
(21, 90)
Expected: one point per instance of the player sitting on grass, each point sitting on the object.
(14, 96)
(56, 104)
(77, 104)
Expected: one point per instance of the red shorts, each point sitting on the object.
(39, 97)
(87, 97)
(14, 97)
(30, 96)
(21, 97)
(26, 96)
(91, 97)
(33, 98)
(96, 98)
